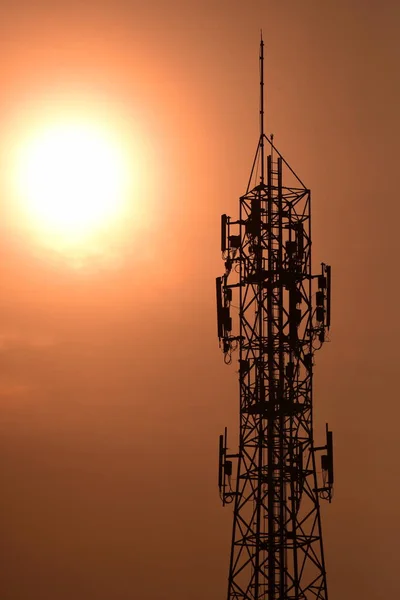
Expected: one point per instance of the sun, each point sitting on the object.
(75, 181)
(72, 179)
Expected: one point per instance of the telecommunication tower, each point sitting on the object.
(282, 316)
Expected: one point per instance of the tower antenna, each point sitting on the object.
(276, 313)
(262, 106)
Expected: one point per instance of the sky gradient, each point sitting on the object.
(112, 388)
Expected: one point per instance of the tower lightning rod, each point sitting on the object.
(262, 106)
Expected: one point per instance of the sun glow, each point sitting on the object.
(75, 182)
(72, 179)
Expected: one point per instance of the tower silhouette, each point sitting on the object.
(281, 318)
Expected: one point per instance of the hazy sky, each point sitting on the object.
(112, 388)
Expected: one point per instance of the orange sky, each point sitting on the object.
(112, 388)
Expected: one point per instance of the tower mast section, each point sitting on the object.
(277, 550)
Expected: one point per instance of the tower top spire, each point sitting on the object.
(262, 106)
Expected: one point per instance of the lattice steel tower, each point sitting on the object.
(282, 319)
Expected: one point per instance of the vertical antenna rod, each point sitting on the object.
(262, 106)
